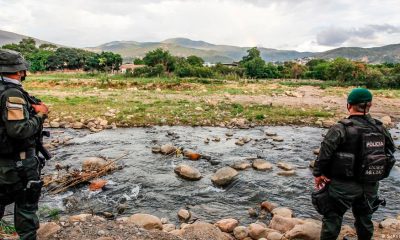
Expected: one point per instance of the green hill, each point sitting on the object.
(10, 37)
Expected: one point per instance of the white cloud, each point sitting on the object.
(290, 24)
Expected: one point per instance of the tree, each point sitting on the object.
(255, 68)
(252, 53)
(138, 61)
(159, 56)
(195, 61)
(341, 70)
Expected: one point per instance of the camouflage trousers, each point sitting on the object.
(25, 219)
(345, 195)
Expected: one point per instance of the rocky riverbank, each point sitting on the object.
(283, 225)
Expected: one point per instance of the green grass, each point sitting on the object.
(6, 228)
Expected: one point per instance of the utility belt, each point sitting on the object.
(324, 203)
(28, 189)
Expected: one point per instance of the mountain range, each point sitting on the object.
(226, 54)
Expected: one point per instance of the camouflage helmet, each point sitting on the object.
(12, 61)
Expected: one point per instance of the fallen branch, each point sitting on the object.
(78, 177)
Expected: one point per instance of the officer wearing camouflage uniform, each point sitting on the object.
(20, 122)
(355, 154)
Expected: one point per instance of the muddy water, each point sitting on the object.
(147, 183)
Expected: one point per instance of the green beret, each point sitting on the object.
(359, 95)
(12, 61)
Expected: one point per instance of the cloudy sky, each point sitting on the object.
(305, 25)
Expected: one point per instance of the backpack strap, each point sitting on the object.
(346, 122)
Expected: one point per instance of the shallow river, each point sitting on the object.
(148, 184)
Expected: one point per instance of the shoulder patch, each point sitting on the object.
(16, 100)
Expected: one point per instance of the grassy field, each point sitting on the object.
(171, 101)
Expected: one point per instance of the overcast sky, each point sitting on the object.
(305, 25)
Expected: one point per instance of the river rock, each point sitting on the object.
(306, 231)
(187, 172)
(390, 223)
(227, 225)
(240, 123)
(168, 227)
(275, 236)
(241, 232)
(93, 164)
(77, 125)
(386, 120)
(268, 206)
(184, 215)
(282, 212)
(278, 139)
(146, 221)
(316, 151)
(284, 224)
(240, 142)
(229, 134)
(191, 155)
(156, 149)
(224, 176)
(202, 231)
(168, 149)
(284, 166)
(287, 173)
(79, 218)
(252, 212)
(256, 231)
(54, 124)
(347, 231)
(241, 165)
(261, 165)
(47, 230)
(328, 123)
(270, 134)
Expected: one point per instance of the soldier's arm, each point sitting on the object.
(15, 115)
(390, 147)
(333, 138)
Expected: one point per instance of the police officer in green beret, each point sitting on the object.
(355, 155)
(20, 123)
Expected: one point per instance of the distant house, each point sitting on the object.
(234, 64)
(129, 67)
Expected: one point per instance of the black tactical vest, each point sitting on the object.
(9, 146)
(362, 155)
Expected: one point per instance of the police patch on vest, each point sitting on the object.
(374, 160)
(15, 111)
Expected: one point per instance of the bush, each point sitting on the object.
(156, 71)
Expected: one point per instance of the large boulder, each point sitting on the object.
(240, 232)
(268, 206)
(146, 221)
(261, 165)
(202, 231)
(93, 164)
(284, 224)
(227, 225)
(283, 212)
(224, 176)
(188, 172)
(257, 231)
(47, 230)
(390, 223)
(306, 231)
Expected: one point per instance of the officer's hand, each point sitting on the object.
(41, 108)
(321, 181)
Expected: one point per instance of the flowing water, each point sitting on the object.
(147, 183)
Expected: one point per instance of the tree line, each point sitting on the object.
(49, 57)
(160, 62)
